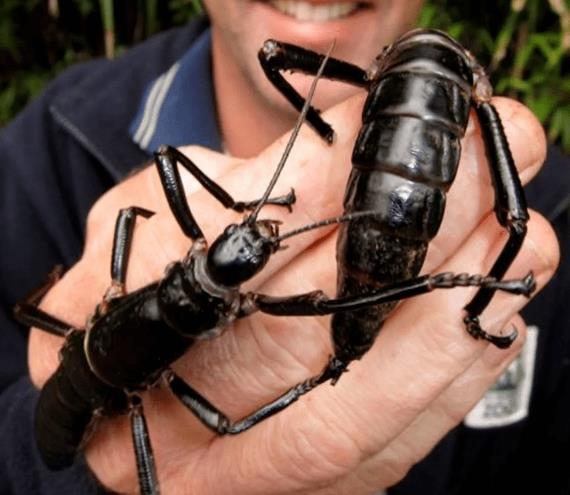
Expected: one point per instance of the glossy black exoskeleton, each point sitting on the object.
(131, 340)
(420, 92)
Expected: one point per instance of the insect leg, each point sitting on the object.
(168, 156)
(510, 210)
(217, 421)
(29, 314)
(174, 192)
(122, 241)
(317, 303)
(276, 56)
(146, 468)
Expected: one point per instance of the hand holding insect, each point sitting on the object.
(393, 405)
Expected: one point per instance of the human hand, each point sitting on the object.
(420, 378)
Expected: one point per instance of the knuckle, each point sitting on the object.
(525, 133)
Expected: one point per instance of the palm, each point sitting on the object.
(379, 418)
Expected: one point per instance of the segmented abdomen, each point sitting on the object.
(67, 403)
(404, 161)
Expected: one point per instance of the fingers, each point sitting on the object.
(491, 238)
(75, 296)
(471, 195)
(312, 170)
(316, 171)
(391, 464)
(422, 350)
(144, 189)
(332, 431)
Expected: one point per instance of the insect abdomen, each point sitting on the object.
(67, 403)
(404, 161)
(59, 425)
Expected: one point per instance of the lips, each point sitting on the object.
(314, 24)
(314, 13)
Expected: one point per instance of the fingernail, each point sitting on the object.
(493, 357)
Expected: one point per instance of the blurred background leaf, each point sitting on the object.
(525, 44)
(40, 38)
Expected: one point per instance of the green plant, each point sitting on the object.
(34, 47)
(40, 38)
(527, 46)
(525, 42)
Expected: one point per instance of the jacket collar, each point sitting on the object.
(99, 109)
(178, 107)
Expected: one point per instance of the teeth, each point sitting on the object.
(307, 12)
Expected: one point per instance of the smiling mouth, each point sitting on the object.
(308, 12)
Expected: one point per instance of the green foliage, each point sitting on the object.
(35, 45)
(40, 38)
(183, 10)
(524, 43)
(526, 47)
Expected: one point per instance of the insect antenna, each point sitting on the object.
(253, 217)
(323, 223)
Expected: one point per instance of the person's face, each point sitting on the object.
(360, 30)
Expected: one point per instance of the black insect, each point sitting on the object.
(131, 340)
(420, 91)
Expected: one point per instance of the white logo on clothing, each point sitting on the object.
(507, 401)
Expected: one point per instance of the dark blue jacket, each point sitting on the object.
(72, 144)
